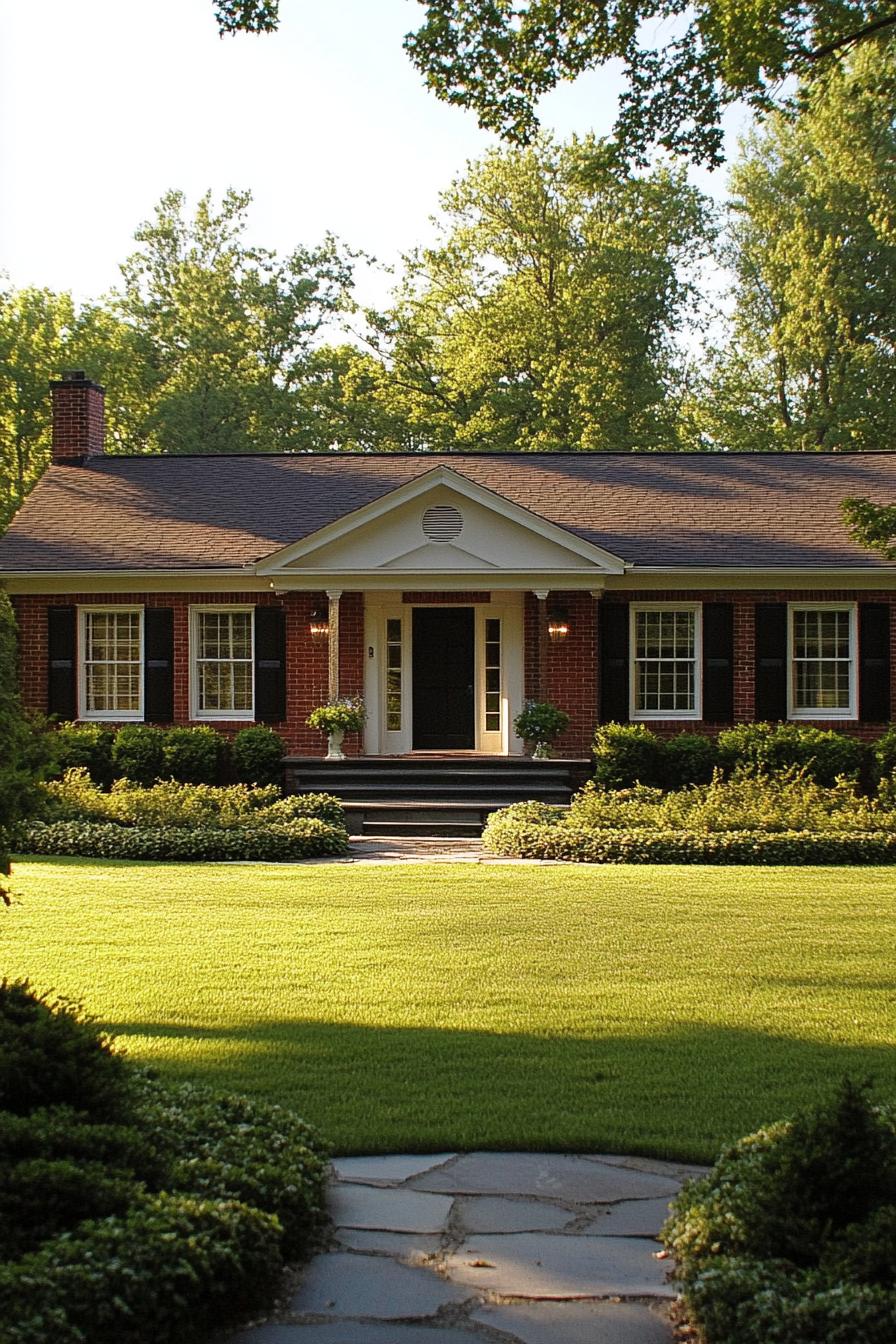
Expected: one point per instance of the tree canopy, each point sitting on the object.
(684, 62)
(544, 318)
(811, 363)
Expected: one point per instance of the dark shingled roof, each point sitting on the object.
(770, 511)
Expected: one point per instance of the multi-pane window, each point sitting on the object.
(664, 662)
(822, 660)
(224, 663)
(393, 675)
(111, 663)
(492, 675)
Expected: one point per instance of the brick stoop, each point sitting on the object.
(426, 795)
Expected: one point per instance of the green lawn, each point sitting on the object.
(642, 1009)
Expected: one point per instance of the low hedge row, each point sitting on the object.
(629, 754)
(304, 838)
(144, 754)
(554, 838)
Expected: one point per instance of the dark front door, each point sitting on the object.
(443, 678)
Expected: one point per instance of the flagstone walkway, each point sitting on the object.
(488, 1248)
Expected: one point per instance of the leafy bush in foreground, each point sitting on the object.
(149, 1230)
(52, 1055)
(170, 1267)
(788, 1240)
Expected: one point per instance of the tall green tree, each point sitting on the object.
(222, 331)
(811, 363)
(545, 317)
(35, 325)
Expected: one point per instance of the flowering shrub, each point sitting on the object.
(540, 722)
(347, 714)
(789, 1239)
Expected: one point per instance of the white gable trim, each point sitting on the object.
(594, 557)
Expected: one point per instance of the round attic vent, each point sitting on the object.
(442, 523)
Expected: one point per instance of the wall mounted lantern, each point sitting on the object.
(558, 624)
(320, 623)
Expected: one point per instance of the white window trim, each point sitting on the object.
(106, 715)
(659, 715)
(821, 715)
(217, 715)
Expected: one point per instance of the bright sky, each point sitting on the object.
(106, 104)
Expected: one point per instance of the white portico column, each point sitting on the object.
(334, 595)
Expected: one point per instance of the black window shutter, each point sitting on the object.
(158, 665)
(874, 662)
(270, 664)
(61, 698)
(771, 661)
(614, 669)
(718, 662)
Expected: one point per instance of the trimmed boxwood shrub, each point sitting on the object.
(138, 753)
(789, 1239)
(194, 755)
(824, 755)
(689, 758)
(258, 756)
(303, 838)
(627, 754)
(242, 1148)
(86, 746)
(884, 755)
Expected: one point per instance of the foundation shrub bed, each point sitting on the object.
(750, 818)
(630, 754)
(789, 1239)
(155, 1227)
(186, 821)
(144, 754)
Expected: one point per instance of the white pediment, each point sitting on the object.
(486, 533)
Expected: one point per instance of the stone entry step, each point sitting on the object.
(529, 1248)
(433, 796)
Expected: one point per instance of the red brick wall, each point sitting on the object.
(744, 649)
(306, 659)
(571, 666)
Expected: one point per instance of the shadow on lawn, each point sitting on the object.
(683, 1093)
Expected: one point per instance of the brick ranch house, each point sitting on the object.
(681, 591)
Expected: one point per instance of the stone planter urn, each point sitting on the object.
(541, 752)
(334, 745)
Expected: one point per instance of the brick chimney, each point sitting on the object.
(77, 418)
